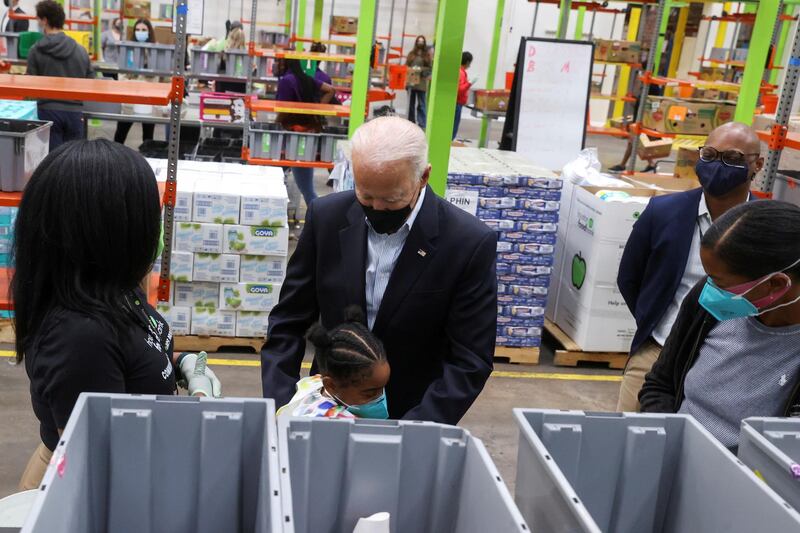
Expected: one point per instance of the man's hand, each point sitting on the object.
(197, 377)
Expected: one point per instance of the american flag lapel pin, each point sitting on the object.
(422, 253)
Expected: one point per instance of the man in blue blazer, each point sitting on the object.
(661, 262)
(422, 270)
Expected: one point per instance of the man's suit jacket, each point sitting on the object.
(655, 258)
(437, 319)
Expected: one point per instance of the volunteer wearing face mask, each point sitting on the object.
(109, 40)
(420, 63)
(661, 262)
(735, 349)
(87, 233)
(143, 32)
(421, 270)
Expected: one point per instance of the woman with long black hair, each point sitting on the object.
(297, 86)
(734, 350)
(86, 235)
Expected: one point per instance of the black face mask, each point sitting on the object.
(388, 221)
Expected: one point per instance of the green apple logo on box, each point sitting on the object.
(578, 271)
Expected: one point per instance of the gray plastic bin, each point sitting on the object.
(23, 145)
(301, 146)
(236, 63)
(12, 44)
(156, 57)
(264, 67)
(771, 447)
(266, 140)
(205, 62)
(787, 186)
(637, 473)
(431, 478)
(169, 463)
(328, 141)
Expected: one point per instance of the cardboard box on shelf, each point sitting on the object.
(135, 9)
(492, 100)
(248, 296)
(657, 148)
(178, 318)
(687, 117)
(263, 204)
(256, 240)
(216, 268)
(196, 295)
(198, 238)
(617, 51)
(215, 202)
(209, 321)
(344, 24)
(262, 269)
(180, 266)
(685, 163)
(252, 324)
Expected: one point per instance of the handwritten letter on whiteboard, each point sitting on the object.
(553, 100)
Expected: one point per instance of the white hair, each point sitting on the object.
(389, 140)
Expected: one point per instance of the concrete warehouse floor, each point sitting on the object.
(490, 419)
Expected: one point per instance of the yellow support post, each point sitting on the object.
(722, 28)
(623, 81)
(677, 44)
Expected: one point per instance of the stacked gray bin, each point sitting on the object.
(331, 136)
(787, 186)
(23, 145)
(637, 473)
(266, 141)
(771, 447)
(264, 67)
(236, 63)
(168, 463)
(428, 477)
(205, 62)
(301, 146)
(134, 56)
(12, 44)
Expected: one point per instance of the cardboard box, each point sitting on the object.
(617, 51)
(252, 324)
(262, 269)
(655, 149)
(164, 34)
(688, 117)
(198, 238)
(492, 100)
(206, 321)
(685, 163)
(264, 204)
(215, 202)
(256, 240)
(248, 296)
(178, 318)
(196, 295)
(344, 24)
(135, 9)
(180, 266)
(216, 268)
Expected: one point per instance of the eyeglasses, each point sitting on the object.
(732, 158)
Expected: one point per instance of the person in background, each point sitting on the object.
(234, 41)
(420, 62)
(464, 84)
(661, 261)
(735, 349)
(320, 75)
(58, 55)
(297, 86)
(109, 40)
(86, 235)
(353, 373)
(143, 32)
(420, 269)
(15, 25)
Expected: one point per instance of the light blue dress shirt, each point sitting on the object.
(382, 253)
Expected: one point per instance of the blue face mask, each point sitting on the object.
(377, 408)
(718, 179)
(142, 35)
(724, 305)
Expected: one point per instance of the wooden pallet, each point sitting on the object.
(570, 354)
(198, 343)
(523, 356)
(7, 332)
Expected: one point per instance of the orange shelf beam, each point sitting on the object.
(731, 63)
(792, 139)
(19, 87)
(619, 63)
(612, 98)
(283, 163)
(307, 56)
(613, 132)
(300, 108)
(10, 199)
(17, 16)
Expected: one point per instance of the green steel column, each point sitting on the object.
(98, 13)
(756, 59)
(444, 87)
(301, 22)
(288, 15)
(490, 75)
(579, 24)
(364, 39)
(781, 48)
(563, 18)
(661, 32)
(316, 30)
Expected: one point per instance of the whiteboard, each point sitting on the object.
(552, 100)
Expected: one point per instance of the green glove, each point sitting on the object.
(197, 377)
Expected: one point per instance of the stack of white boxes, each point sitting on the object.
(230, 247)
(520, 201)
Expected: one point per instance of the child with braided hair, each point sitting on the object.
(353, 373)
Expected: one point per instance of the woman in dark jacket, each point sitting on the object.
(734, 351)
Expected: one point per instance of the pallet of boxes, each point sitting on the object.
(520, 202)
(230, 247)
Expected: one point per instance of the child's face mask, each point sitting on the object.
(377, 408)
